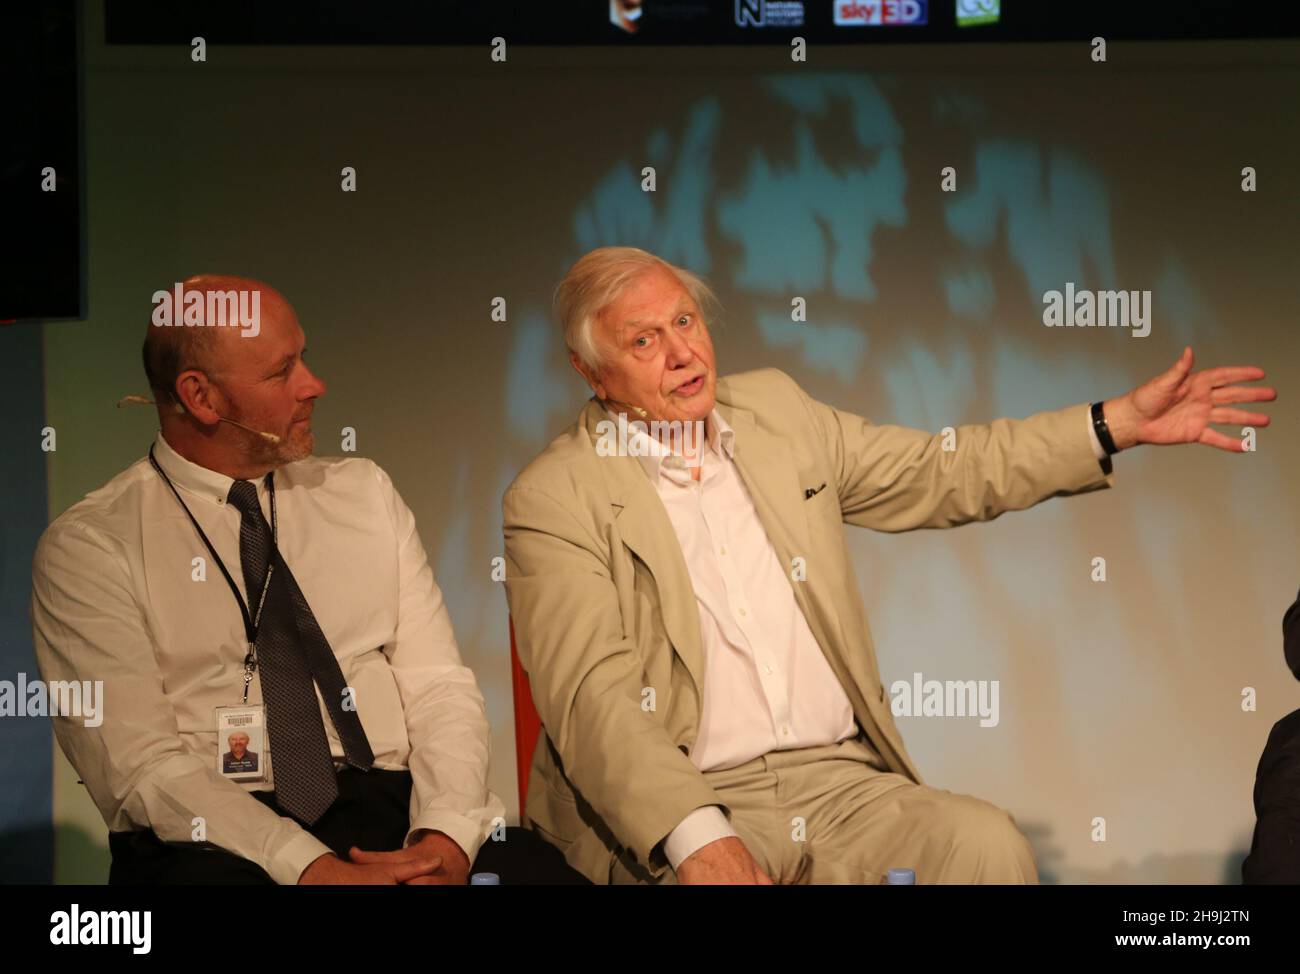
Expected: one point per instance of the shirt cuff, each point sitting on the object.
(298, 853)
(465, 832)
(704, 825)
(1098, 450)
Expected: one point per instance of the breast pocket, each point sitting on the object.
(823, 507)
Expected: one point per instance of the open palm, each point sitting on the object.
(1179, 406)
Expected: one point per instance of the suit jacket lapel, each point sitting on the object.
(644, 526)
(773, 483)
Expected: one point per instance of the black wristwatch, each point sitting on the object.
(1102, 430)
(1104, 438)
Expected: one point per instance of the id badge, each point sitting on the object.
(241, 742)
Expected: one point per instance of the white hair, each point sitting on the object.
(596, 280)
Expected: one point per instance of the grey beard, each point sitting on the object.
(274, 455)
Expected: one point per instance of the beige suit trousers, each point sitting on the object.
(836, 815)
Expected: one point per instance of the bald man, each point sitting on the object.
(230, 583)
(239, 759)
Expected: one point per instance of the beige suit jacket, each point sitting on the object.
(603, 606)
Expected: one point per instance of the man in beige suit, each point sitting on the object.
(686, 608)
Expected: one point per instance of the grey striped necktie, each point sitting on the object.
(291, 653)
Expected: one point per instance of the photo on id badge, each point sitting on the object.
(241, 743)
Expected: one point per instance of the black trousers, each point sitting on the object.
(1275, 850)
(372, 812)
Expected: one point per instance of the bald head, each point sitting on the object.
(239, 742)
(197, 324)
(225, 355)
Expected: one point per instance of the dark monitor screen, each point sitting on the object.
(40, 162)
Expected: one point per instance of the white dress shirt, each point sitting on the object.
(114, 598)
(767, 684)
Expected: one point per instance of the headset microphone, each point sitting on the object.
(610, 403)
(270, 437)
(142, 401)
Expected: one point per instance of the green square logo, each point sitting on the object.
(972, 12)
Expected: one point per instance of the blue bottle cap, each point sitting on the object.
(901, 877)
(485, 879)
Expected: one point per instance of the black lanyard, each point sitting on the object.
(250, 622)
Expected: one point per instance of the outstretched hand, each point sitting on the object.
(1179, 406)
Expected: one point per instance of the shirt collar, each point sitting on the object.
(651, 453)
(186, 475)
